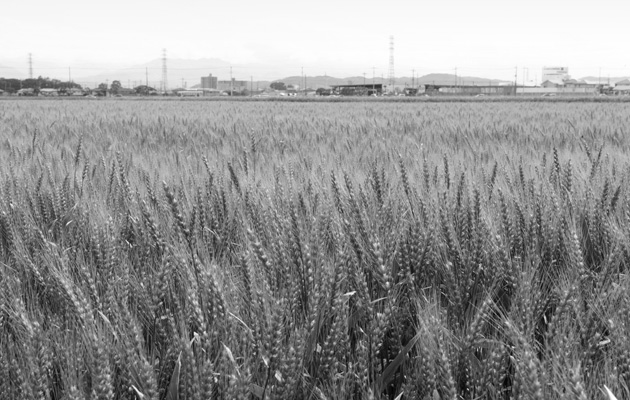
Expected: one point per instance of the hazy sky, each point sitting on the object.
(485, 38)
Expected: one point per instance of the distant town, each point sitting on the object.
(555, 81)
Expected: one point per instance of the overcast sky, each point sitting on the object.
(486, 38)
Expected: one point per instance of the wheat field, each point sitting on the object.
(284, 250)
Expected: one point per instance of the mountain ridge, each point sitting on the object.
(188, 72)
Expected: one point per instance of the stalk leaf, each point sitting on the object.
(173, 386)
(388, 374)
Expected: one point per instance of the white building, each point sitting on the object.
(555, 74)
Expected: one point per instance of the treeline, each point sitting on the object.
(13, 85)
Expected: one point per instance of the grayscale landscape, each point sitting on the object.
(331, 200)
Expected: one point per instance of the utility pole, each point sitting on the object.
(391, 62)
(251, 86)
(304, 78)
(164, 72)
(302, 83)
(373, 80)
(527, 75)
(515, 78)
(69, 75)
(456, 82)
(231, 82)
(146, 75)
(413, 78)
(30, 65)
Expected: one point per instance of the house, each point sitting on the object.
(126, 91)
(2, 92)
(551, 83)
(98, 92)
(622, 87)
(190, 93)
(49, 92)
(573, 83)
(26, 92)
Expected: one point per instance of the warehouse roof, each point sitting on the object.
(367, 85)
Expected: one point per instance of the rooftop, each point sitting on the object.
(367, 85)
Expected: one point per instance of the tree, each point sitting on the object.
(144, 90)
(102, 86)
(10, 85)
(278, 86)
(115, 87)
(323, 92)
(30, 83)
(69, 85)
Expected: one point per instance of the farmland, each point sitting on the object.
(322, 250)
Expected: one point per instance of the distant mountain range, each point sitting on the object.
(188, 73)
(442, 79)
(319, 81)
(605, 80)
(183, 72)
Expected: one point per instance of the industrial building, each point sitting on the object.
(470, 90)
(212, 82)
(209, 82)
(233, 85)
(555, 74)
(589, 89)
(359, 90)
(556, 81)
